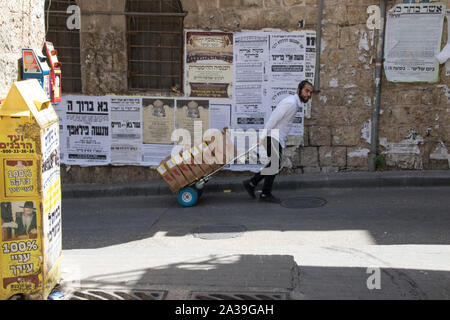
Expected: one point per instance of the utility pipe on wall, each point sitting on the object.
(377, 90)
(318, 42)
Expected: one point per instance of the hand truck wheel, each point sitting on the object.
(188, 196)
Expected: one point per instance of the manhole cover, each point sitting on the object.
(220, 231)
(101, 294)
(303, 202)
(238, 296)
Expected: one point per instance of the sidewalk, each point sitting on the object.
(427, 178)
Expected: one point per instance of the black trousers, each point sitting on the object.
(269, 172)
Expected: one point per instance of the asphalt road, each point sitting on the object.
(328, 252)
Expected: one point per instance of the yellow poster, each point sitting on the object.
(20, 178)
(21, 252)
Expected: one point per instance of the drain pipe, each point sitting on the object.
(318, 49)
(377, 90)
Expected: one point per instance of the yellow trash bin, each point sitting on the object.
(30, 193)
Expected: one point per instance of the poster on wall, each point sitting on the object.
(126, 130)
(220, 114)
(153, 154)
(158, 120)
(193, 116)
(287, 57)
(413, 39)
(209, 64)
(251, 51)
(87, 129)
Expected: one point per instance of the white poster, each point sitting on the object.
(153, 154)
(126, 130)
(413, 39)
(310, 55)
(60, 110)
(251, 54)
(219, 114)
(287, 57)
(87, 130)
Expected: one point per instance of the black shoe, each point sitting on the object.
(269, 198)
(248, 187)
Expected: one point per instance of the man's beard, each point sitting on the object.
(26, 219)
(303, 99)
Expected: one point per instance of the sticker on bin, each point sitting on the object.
(161, 169)
(170, 163)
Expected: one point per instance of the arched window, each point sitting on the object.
(155, 44)
(66, 42)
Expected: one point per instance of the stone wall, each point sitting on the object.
(22, 25)
(414, 126)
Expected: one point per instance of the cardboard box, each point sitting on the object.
(175, 171)
(185, 170)
(197, 155)
(189, 161)
(208, 156)
(173, 185)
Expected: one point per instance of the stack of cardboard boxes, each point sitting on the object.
(191, 165)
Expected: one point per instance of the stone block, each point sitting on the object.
(320, 136)
(308, 170)
(252, 3)
(309, 157)
(229, 3)
(358, 157)
(306, 13)
(275, 17)
(345, 136)
(332, 156)
(336, 14)
(410, 97)
(289, 3)
(272, 3)
(356, 14)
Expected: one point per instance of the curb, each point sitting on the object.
(282, 182)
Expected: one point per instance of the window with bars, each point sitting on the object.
(66, 42)
(155, 44)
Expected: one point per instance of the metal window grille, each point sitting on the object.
(155, 44)
(66, 41)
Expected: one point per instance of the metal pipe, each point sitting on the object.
(377, 90)
(318, 41)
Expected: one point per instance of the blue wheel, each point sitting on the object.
(188, 196)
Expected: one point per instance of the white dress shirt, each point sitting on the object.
(281, 117)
